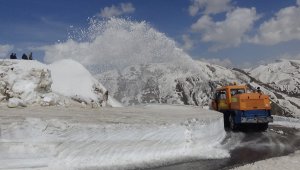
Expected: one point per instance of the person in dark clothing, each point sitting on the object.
(24, 57)
(105, 98)
(13, 56)
(258, 90)
(30, 56)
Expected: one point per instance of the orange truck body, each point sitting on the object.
(240, 106)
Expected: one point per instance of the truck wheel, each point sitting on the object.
(226, 121)
(263, 127)
(232, 124)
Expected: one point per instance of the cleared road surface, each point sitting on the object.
(248, 148)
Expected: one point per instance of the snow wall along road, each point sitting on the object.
(114, 138)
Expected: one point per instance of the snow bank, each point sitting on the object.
(112, 138)
(286, 121)
(72, 79)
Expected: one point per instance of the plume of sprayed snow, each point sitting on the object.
(117, 43)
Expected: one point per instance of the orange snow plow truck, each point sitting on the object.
(241, 107)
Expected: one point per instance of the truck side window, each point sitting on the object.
(236, 91)
(215, 96)
(233, 92)
(222, 95)
(240, 91)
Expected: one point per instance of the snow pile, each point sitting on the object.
(71, 79)
(23, 82)
(115, 138)
(27, 82)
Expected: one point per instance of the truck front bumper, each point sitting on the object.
(256, 119)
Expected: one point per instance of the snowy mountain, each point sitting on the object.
(281, 80)
(284, 76)
(26, 82)
(166, 83)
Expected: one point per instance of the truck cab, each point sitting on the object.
(242, 107)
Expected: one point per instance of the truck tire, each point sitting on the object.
(263, 127)
(226, 121)
(232, 124)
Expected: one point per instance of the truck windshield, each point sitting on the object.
(236, 91)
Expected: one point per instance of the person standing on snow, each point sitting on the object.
(13, 56)
(30, 56)
(105, 98)
(24, 57)
(258, 90)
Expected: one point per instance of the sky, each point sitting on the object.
(236, 33)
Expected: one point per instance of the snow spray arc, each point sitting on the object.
(116, 43)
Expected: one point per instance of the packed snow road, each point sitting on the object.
(247, 148)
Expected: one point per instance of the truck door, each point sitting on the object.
(221, 100)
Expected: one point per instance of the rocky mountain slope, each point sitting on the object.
(165, 83)
(283, 76)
